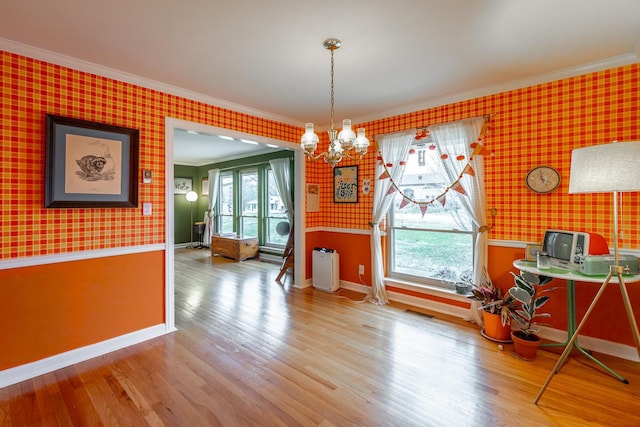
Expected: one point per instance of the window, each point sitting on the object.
(249, 203)
(225, 203)
(276, 213)
(435, 248)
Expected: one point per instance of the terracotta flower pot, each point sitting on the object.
(527, 349)
(493, 328)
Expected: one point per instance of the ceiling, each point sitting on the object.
(266, 57)
(198, 148)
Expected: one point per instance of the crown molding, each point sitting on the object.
(89, 67)
(613, 62)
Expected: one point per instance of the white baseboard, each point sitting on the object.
(31, 370)
(411, 300)
(597, 345)
(305, 284)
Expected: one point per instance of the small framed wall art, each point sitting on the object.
(345, 184)
(204, 186)
(182, 185)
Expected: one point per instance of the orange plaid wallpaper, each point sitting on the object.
(529, 127)
(29, 90)
(537, 125)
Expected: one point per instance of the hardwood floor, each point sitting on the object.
(251, 352)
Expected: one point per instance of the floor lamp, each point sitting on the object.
(607, 168)
(192, 196)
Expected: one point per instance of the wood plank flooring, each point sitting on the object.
(251, 352)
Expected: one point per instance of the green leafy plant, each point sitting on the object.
(492, 299)
(530, 293)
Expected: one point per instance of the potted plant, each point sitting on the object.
(495, 309)
(530, 293)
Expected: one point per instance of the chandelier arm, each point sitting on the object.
(357, 157)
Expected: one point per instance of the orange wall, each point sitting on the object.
(353, 250)
(49, 309)
(538, 125)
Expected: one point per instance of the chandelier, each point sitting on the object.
(340, 143)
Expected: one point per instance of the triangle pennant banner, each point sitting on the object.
(384, 175)
(392, 189)
(443, 200)
(458, 187)
(469, 170)
(483, 151)
(405, 201)
(423, 208)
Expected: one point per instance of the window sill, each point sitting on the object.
(425, 289)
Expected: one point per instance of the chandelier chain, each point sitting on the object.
(331, 88)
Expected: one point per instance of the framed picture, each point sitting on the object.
(313, 198)
(345, 184)
(205, 186)
(182, 185)
(532, 251)
(90, 165)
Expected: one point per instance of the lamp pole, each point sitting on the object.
(192, 196)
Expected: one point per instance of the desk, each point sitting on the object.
(571, 277)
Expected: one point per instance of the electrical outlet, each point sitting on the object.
(361, 269)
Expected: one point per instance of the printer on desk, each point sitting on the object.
(598, 265)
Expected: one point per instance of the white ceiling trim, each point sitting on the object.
(81, 65)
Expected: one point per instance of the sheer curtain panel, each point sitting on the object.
(456, 137)
(393, 148)
(213, 175)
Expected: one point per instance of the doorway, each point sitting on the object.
(171, 125)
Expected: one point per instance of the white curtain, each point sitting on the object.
(456, 138)
(282, 173)
(394, 148)
(281, 169)
(214, 175)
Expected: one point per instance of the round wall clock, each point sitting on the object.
(543, 179)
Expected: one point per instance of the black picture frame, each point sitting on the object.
(182, 185)
(345, 184)
(89, 164)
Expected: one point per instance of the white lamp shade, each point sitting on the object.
(346, 136)
(309, 140)
(605, 168)
(192, 196)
